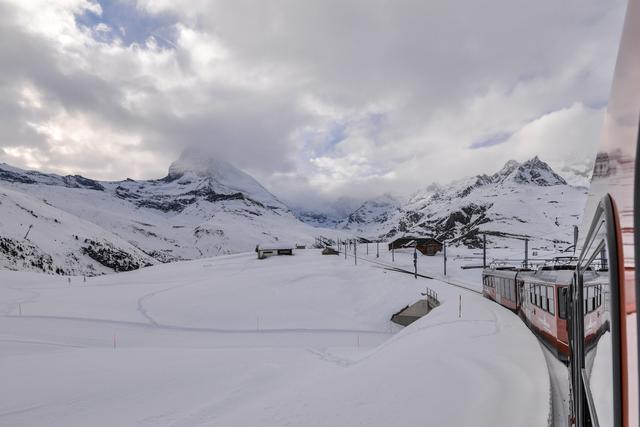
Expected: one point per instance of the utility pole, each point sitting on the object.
(377, 249)
(444, 247)
(526, 253)
(355, 252)
(484, 250)
(367, 248)
(415, 261)
(345, 249)
(393, 253)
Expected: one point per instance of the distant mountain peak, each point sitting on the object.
(217, 175)
(537, 172)
(200, 163)
(508, 168)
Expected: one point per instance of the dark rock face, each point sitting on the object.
(125, 194)
(77, 181)
(15, 177)
(460, 226)
(111, 257)
(211, 196)
(165, 204)
(24, 255)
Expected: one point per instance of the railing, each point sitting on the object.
(432, 297)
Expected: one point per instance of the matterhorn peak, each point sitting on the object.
(202, 167)
(201, 163)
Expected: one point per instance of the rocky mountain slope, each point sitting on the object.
(524, 199)
(203, 207)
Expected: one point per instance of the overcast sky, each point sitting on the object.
(315, 98)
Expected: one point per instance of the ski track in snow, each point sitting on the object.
(206, 330)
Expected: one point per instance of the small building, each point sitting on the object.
(270, 249)
(426, 245)
(330, 251)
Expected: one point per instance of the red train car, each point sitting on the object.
(540, 298)
(500, 284)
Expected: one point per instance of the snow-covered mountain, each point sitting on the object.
(203, 207)
(525, 199)
(371, 214)
(330, 215)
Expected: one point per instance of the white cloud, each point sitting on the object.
(324, 97)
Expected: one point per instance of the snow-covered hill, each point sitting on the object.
(37, 236)
(203, 207)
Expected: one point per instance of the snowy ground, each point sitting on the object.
(234, 341)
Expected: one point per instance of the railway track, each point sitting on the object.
(395, 268)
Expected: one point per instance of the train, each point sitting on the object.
(540, 297)
(585, 311)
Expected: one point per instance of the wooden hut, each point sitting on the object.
(426, 245)
(271, 249)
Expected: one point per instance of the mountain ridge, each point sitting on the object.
(202, 207)
(460, 211)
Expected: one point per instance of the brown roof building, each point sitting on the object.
(426, 245)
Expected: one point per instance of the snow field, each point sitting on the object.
(236, 341)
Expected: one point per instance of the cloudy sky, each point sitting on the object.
(315, 98)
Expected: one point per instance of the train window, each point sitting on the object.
(562, 302)
(545, 300)
(552, 305)
(599, 295)
(534, 298)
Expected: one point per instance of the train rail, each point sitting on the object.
(392, 267)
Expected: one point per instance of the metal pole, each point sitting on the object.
(484, 250)
(444, 246)
(367, 248)
(393, 253)
(415, 261)
(355, 252)
(345, 249)
(526, 253)
(377, 250)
